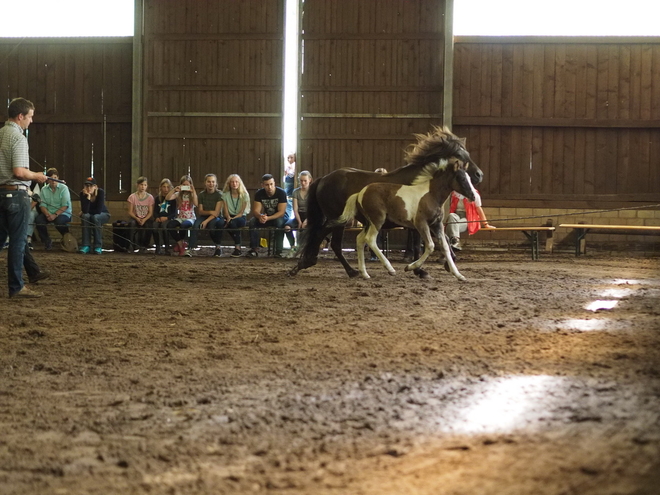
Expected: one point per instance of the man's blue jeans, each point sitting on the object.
(60, 223)
(14, 218)
(92, 226)
(256, 225)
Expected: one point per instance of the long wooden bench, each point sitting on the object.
(532, 233)
(582, 229)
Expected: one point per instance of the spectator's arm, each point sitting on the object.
(482, 217)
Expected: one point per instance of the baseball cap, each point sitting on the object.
(90, 180)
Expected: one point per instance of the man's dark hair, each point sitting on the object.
(52, 171)
(19, 106)
(266, 177)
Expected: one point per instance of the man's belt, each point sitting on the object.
(13, 187)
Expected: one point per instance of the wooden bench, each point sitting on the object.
(582, 229)
(532, 233)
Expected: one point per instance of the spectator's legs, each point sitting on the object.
(237, 223)
(97, 228)
(455, 225)
(41, 223)
(61, 223)
(86, 220)
(216, 227)
(33, 217)
(195, 230)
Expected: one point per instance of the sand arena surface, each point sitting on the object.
(140, 374)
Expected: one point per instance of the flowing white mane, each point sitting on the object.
(427, 172)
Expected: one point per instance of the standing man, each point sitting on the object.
(268, 210)
(15, 177)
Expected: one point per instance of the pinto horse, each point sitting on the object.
(327, 196)
(416, 206)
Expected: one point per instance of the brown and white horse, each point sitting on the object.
(328, 195)
(418, 206)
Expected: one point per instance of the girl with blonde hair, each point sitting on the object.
(236, 205)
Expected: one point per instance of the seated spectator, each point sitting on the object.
(186, 201)
(268, 210)
(35, 199)
(299, 219)
(55, 208)
(93, 214)
(140, 209)
(464, 215)
(164, 211)
(209, 214)
(236, 205)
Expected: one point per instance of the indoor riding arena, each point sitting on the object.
(539, 374)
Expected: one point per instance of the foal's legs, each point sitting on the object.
(371, 239)
(429, 246)
(449, 258)
(359, 247)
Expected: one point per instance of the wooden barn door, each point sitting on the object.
(212, 89)
(372, 75)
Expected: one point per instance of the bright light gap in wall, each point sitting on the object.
(556, 18)
(291, 79)
(66, 18)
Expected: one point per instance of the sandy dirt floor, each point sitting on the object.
(139, 374)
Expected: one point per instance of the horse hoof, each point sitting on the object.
(366, 277)
(393, 272)
(294, 271)
(353, 273)
(462, 278)
(421, 273)
(447, 267)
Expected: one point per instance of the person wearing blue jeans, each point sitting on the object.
(93, 214)
(55, 208)
(235, 205)
(209, 214)
(15, 177)
(268, 210)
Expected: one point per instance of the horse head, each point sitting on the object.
(439, 145)
(461, 182)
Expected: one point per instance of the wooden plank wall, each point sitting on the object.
(372, 76)
(212, 89)
(81, 88)
(559, 120)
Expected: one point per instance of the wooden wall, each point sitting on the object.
(372, 76)
(81, 88)
(212, 89)
(561, 120)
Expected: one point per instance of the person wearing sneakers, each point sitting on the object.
(268, 210)
(93, 214)
(141, 210)
(186, 202)
(15, 177)
(236, 206)
(209, 214)
(55, 208)
(164, 211)
(464, 215)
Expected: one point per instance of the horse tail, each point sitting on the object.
(350, 210)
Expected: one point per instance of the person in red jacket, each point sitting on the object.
(464, 215)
